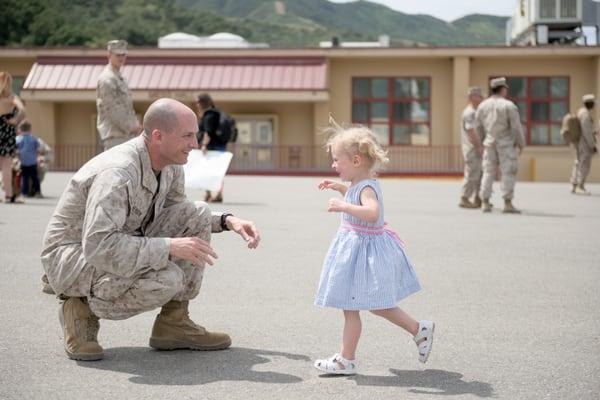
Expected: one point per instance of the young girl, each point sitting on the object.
(366, 267)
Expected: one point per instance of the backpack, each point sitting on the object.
(227, 128)
(571, 129)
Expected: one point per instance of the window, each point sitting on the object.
(17, 84)
(396, 109)
(542, 103)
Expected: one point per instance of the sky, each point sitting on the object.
(449, 10)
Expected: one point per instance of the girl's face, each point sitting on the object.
(344, 164)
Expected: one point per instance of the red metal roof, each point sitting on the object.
(184, 74)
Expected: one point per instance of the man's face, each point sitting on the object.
(176, 145)
(117, 60)
(475, 99)
(589, 105)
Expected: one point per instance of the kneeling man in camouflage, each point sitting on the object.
(124, 239)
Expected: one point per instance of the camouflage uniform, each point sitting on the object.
(471, 155)
(497, 120)
(585, 147)
(108, 237)
(116, 117)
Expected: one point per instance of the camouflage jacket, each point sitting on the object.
(116, 117)
(497, 120)
(101, 219)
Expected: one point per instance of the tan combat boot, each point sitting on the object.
(465, 203)
(80, 329)
(574, 188)
(477, 202)
(509, 208)
(173, 329)
(486, 207)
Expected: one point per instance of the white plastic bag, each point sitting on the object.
(206, 171)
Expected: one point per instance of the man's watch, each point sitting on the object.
(224, 221)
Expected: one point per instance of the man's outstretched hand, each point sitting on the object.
(245, 229)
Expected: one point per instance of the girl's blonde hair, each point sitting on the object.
(5, 83)
(357, 140)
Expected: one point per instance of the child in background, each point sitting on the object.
(366, 267)
(28, 146)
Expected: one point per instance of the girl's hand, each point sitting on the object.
(329, 184)
(336, 205)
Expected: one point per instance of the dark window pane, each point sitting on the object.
(522, 106)
(516, 87)
(401, 134)
(360, 112)
(539, 87)
(558, 109)
(17, 85)
(379, 88)
(402, 111)
(559, 87)
(402, 88)
(420, 88)
(539, 111)
(420, 111)
(379, 112)
(360, 88)
(382, 132)
(556, 138)
(539, 134)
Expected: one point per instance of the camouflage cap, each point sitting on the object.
(498, 82)
(475, 91)
(588, 98)
(117, 46)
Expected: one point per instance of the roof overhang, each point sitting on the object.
(226, 78)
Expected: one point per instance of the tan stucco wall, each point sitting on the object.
(42, 115)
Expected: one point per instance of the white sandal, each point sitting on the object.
(337, 365)
(424, 339)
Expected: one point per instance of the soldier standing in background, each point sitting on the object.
(586, 146)
(498, 121)
(116, 118)
(472, 149)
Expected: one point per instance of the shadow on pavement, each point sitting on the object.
(438, 382)
(528, 213)
(186, 367)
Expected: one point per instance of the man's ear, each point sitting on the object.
(157, 135)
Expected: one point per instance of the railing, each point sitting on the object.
(298, 159)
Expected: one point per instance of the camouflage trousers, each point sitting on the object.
(473, 173)
(506, 157)
(582, 164)
(116, 297)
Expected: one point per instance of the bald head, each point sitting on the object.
(167, 115)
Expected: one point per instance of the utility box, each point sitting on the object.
(537, 22)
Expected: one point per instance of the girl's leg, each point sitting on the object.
(6, 164)
(352, 329)
(400, 318)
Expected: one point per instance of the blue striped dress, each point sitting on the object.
(365, 267)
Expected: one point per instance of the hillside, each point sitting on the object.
(284, 23)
